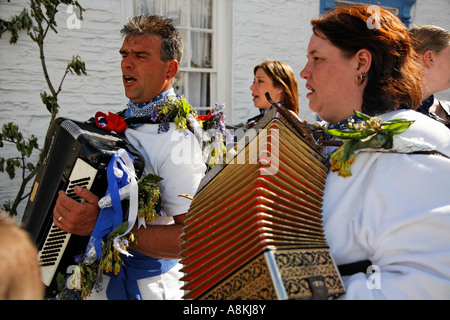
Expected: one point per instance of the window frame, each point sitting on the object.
(401, 8)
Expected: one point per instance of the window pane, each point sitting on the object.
(197, 90)
(174, 11)
(201, 50)
(201, 14)
(179, 84)
(186, 50)
(199, 93)
(148, 7)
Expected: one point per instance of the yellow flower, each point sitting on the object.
(371, 133)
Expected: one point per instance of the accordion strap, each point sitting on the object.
(355, 267)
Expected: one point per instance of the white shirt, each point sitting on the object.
(176, 157)
(395, 211)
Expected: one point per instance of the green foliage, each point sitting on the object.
(10, 133)
(16, 24)
(36, 20)
(77, 66)
(370, 133)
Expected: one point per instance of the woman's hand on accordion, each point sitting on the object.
(75, 217)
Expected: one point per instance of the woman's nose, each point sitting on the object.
(305, 73)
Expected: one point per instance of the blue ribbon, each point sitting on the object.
(112, 217)
(138, 266)
(123, 286)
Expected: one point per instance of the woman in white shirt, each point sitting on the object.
(393, 208)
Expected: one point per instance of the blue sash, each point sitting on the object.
(112, 217)
(138, 266)
(124, 286)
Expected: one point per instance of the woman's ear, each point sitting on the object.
(364, 59)
(428, 59)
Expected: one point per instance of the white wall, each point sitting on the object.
(21, 78)
(262, 29)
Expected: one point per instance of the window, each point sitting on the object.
(401, 8)
(195, 20)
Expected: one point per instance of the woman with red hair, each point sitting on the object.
(386, 201)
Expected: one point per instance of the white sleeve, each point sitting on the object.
(394, 211)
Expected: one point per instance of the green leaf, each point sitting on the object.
(186, 106)
(77, 66)
(396, 126)
(149, 179)
(119, 230)
(363, 116)
(10, 168)
(50, 101)
(351, 134)
(61, 282)
(376, 141)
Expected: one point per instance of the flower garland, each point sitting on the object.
(87, 275)
(371, 133)
(173, 110)
(215, 135)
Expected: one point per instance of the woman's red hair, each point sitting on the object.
(395, 76)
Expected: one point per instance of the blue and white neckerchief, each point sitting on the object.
(343, 124)
(147, 109)
(425, 105)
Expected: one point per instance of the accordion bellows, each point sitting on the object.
(254, 228)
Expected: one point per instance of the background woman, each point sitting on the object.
(278, 79)
(433, 45)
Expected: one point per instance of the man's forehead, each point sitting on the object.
(142, 41)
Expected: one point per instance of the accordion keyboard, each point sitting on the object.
(57, 240)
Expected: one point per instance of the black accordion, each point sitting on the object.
(254, 229)
(77, 154)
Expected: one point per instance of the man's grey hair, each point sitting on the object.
(163, 28)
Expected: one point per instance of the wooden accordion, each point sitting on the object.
(254, 229)
(77, 155)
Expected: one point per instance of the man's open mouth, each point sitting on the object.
(129, 79)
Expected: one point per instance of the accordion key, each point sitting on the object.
(77, 154)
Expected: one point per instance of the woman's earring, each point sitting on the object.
(361, 78)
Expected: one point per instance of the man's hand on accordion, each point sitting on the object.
(75, 217)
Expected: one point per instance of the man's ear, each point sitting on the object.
(428, 59)
(364, 60)
(172, 69)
